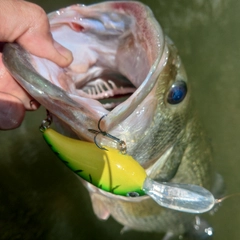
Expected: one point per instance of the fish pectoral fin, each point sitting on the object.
(99, 208)
(125, 229)
(169, 236)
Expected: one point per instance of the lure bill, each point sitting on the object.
(120, 174)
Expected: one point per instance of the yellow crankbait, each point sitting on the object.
(108, 170)
(120, 174)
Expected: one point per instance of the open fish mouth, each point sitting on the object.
(119, 51)
(117, 48)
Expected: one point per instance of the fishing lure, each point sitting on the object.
(120, 174)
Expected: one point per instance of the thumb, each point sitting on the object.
(30, 28)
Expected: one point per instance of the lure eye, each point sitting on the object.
(177, 92)
(132, 194)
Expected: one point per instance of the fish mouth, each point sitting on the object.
(117, 47)
(119, 51)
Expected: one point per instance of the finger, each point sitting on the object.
(12, 112)
(30, 28)
(10, 86)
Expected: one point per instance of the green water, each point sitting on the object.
(42, 199)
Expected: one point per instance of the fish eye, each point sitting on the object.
(132, 194)
(177, 92)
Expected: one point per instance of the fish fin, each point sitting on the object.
(218, 189)
(125, 229)
(99, 207)
(168, 236)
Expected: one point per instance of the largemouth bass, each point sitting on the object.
(127, 70)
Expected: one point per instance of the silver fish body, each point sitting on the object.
(119, 48)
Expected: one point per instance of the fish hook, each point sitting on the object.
(46, 122)
(121, 143)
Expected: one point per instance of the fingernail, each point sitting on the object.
(34, 105)
(64, 52)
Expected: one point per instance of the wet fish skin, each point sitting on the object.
(166, 139)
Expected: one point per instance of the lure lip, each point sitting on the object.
(181, 197)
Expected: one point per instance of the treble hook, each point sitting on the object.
(122, 144)
(46, 122)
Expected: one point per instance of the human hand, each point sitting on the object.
(27, 24)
